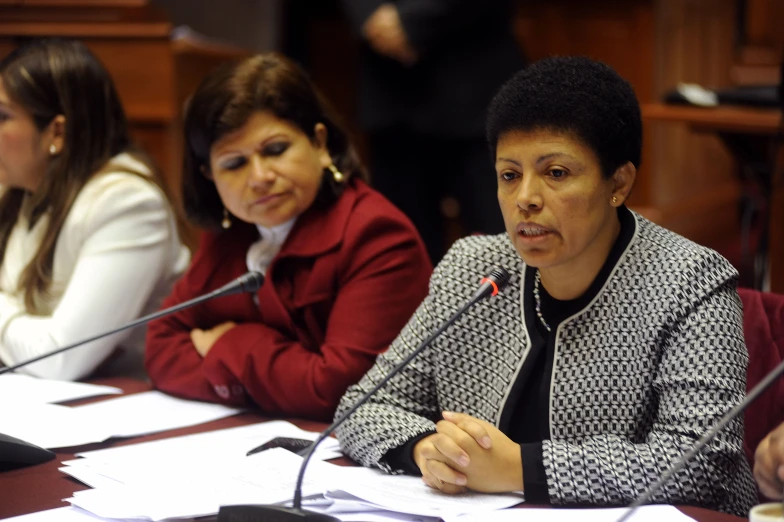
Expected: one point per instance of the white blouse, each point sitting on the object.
(116, 258)
(261, 253)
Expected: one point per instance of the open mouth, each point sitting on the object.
(532, 231)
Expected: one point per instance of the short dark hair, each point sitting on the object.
(577, 96)
(223, 103)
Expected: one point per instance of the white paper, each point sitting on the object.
(52, 426)
(64, 514)
(150, 412)
(48, 425)
(219, 445)
(90, 477)
(42, 391)
(644, 514)
(264, 478)
(348, 507)
(409, 494)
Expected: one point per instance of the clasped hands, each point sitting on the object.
(469, 453)
(769, 464)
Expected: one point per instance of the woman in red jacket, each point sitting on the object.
(273, 178)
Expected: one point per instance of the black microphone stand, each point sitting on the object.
(492, 284)
(726, 419)
(15, 453)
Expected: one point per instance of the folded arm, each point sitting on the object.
(380, 283)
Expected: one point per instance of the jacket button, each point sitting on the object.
(222, 390)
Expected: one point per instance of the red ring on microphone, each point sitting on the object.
(495, 286)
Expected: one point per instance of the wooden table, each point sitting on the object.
(749, 133)
(41, 487)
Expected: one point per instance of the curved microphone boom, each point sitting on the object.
(489, 286)
(726, 419)
(15, 453)
(249, 282)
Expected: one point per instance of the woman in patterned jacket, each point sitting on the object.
(616, 345)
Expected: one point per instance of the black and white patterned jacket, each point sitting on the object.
(638, 375)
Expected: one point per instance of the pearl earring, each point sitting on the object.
(52, 149)
(336, 174)
(614, 199)
(226, 222)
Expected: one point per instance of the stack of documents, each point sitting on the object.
(194, 475)
(179, 489)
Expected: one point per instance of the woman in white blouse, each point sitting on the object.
(88, 240)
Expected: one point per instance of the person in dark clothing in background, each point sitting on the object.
(428, 71)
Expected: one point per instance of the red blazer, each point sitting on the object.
(344, 284)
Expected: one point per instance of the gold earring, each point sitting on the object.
(336, 174)
(614, 199)
(52, 149)
(226, 223)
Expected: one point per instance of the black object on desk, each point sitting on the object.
(15, 453)
(298, 446)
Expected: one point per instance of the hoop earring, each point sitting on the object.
(52, 149)
(336, 174)
(226, 222)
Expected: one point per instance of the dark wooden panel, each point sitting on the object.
(153, 75)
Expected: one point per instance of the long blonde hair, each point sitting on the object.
(49, 77)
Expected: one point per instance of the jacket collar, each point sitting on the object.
(320, 229)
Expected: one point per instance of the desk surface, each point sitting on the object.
(41, 487)
(742, 120)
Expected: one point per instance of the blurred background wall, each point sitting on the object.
(707, 173)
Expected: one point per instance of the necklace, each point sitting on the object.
(538, 301)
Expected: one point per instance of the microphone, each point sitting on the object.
(726, 419)
(15, 453)
(249, 282)
(489, 286)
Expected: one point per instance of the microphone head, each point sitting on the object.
(251, 282)
(500, 277)
(493, 283)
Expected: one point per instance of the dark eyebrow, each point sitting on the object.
(539, 160)
(509, 160)
(547, 157)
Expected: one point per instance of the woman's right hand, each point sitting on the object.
(438, 458)
(203, 340)
(769, 464)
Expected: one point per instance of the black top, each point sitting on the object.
(526, 416)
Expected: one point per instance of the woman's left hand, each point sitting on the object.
(495, 463)
(203, 340)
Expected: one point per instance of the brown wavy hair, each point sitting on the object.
(225, 100)
(50, 77)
